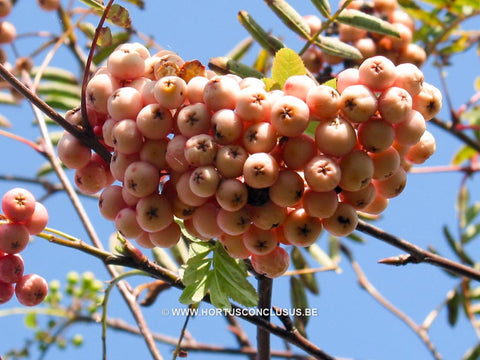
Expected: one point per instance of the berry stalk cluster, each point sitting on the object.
(236, 162)
(23, 217)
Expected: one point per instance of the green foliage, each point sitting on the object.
(225, 278)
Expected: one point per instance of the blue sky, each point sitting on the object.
(350, 323)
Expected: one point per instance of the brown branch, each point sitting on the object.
(417, 254)
(265, 285)
(86, 139)
(367, 286)
(457, 133)
(154, 270)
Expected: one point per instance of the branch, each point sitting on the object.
(366, 285)
(264, 302)
(153, 269)
(457, 133)
(416, 254)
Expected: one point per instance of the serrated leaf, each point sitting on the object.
(94, 4)
(223, 65)
(234, 275)
(323, 6)
(367, 22)
(61, 89)
(218, 297)
(195, 292)
(333, 46)
(195, 270)
(239, 51)
(271, 84)
(285, 64)
(265, 40)
(119, 16)
(299, 262)
(105, 37)
(290, 17)
(31, 320)
(453, 304)
(466, 153)
(199, 248)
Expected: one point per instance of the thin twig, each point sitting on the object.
(366, 285)
(417, 254)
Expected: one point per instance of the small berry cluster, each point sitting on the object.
(233, 161)
(397, 49)
(23, 217)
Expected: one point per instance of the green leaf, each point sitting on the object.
(6, 97)
(298, 298)
(263, 61)
(239, 51)
(234, 275)
(367, 22)
(61, 89)
(31, 320)
(334, 248)
(336, 47)
(94, 4)
(103, 52)
(61, 102)
(266, 41)
(466, 153)
(299, 262)
(285, 64)
(271, 84)
(290, 17)
(195, 292)
(320, 256)
(473, 353)
(463, 198)
(323, 6)
(57, 75)
(196, 269)
(139, 3)
(453, 304)
(472, 213)
(88, 29)
(470, 233)
(105, 37)
(456, 247)
(45, 169)
(223, 65)
(217, 295)
(355, 237)
(332, 83)
(119, 16)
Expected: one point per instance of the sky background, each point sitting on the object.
(350, 324)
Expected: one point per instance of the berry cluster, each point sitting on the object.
(23, 217)
(399, 50)
(234, 161)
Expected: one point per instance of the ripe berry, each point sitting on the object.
(5, 7)
(231, 194)
(375, 135)
(11, 268)
(154, 121)
(335, 137)
(230, 160)
(385, 163)
(301, 229)
(260, 170)
(154, 212)
(428, 101)
(111, 202)
(6, 292)
(204, 181)
(298, 86)
(124, 103)
(37, 222)
(91, 178)
(252, 104)
(393, 185)
(320, 204)
(421, 151)
(170, 91)
(377, 73)
(323, 101)
(322, 173)
(343, 221)
(200, 150)
(193, 119)
(8, 33)
(72, 152)
(357, 170)
(298, 151)
(358, 103)
(141, 178)
(259, 241)
(394, 105)
(234, 222)
(268, 216)
(125, 64)
(226, 126)
(205, 220)
(287, 189)
(289, 115)
(126, 223)
(233, 244)
(220, 92)
(31, 290)
(126, 137)
(259, 137)
(18, 204)
(271, 265)
(167, 237)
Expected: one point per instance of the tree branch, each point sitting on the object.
(417, 254)
(264, 303)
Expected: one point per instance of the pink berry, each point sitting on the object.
(170, 91)
(289, 115)
(72, 152)
(252, 104)
(167, 237)
(154, 121)
(124, 103)
(260, 170)
(6, 292)
(298, 86)
(193, 119)
(31, 290)
(377, 73)
(125, 64)
(141, 178)
(37, 222)
(301, 229)
(18, 204)
(273, 264)
(220, 92)
(11, 268)
(14, 237)
(154, 212)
